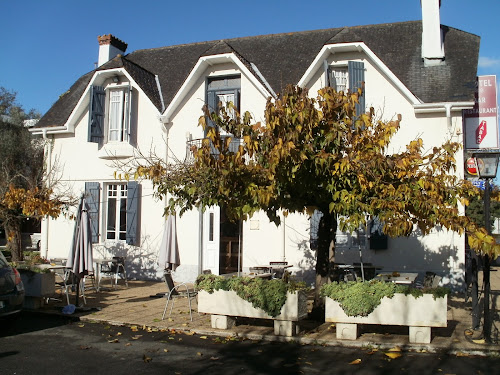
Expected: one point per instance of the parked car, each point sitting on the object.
(11, 289)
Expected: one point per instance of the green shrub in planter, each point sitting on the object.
(268, 295)
(361, 298)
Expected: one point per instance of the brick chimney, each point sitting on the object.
(432, 36)
(109, 48)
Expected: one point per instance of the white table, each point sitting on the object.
(405, 278)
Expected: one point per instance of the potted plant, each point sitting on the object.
(377, 302)
(38, 281)
(224, 298)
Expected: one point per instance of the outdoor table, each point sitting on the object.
(406, 278)
(277, 269)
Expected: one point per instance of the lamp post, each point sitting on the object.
(487, 165)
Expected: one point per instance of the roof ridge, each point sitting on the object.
(268, 35)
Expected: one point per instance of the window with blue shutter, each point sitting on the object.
(133, 198)
(96, 114)
(92, 194)
(351, 78)
(222, 91)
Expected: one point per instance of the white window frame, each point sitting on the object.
(118, 113)
(116, 194)
(341, 74)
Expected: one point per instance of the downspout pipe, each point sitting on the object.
(45, 221)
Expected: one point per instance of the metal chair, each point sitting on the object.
(113, 269)
(69, 282)
(181, 290)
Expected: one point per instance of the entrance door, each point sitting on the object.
(221, 242)
(211, 239)
(230, 236)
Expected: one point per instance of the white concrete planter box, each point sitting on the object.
(223, 305)
(38, 284)
(420, 314)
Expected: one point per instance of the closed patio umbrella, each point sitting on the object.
(80, 259)
(169, 250)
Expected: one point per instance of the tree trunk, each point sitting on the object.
(325, 258)
(13, 234)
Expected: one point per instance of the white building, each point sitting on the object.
(152, 99)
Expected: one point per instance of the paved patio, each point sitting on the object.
(138, 305)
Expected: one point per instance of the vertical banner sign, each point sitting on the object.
(481, 122)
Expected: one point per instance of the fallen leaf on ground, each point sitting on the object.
(203, 337)
(214, 358)
(144, 305)
(189, 333)
(462, 354)
(479, 341)
(84, 347)
(395, 349)
(113, 341)
(133, 328)
(165, 350)
(81, 325)
(128, 344)
(199, 354)
(373, 351)
(184, 324)
(136, 337)
(146, 359)
(393, 355)
(119, 334)
(355, 362)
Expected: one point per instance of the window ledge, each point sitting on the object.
(116, 151)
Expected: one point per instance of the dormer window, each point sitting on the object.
(222, 91)
(347, 77)
(338, 78)
(118, 115)
(110, 114)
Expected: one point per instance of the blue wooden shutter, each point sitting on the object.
(133, 196)
(356, 72)
(96, 114)
(92, 194)
(126, 114)
(313, 229)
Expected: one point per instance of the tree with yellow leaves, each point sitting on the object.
(317, 154)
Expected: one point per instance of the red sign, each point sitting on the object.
(481, 132)
(471, 166)
(480, 122)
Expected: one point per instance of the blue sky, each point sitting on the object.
(46, 45)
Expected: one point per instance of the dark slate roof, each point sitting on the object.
(59, 113)
(283, 59)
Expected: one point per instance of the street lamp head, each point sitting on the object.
(487, 164)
